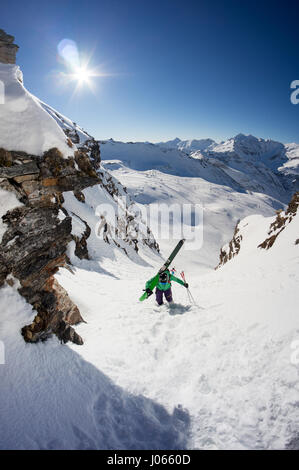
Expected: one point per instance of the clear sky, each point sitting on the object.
(173, 68)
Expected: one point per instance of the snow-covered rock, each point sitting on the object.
(250, 155)
(9, 201)
(25, 125)
(70, 128)
(256, 232)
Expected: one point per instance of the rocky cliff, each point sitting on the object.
(37, 234)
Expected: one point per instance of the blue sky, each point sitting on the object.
(188, 69)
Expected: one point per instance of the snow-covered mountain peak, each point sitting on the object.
(188, 146)
(175, 141)
(249, 145)
(246, 153)
(292, 153)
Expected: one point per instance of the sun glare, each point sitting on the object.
(77, 68)
(82, 75)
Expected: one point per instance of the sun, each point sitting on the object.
(78, 71)
(82, 75)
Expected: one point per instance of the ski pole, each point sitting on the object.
(188, 290)
(192, 298)
(188, 293)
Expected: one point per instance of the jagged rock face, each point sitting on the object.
(281, 221)
(8, 49)
(81, 249)
(93, 148)
(56, 313)
(127, 228)
(35, 242)
(232, 249)
(90, 145)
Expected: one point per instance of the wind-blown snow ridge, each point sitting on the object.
(25, 125)
(78, 135)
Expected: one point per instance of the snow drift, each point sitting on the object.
(25, 125)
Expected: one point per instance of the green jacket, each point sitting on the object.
(167, 285)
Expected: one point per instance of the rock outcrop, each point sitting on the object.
(227, 252)
(34, 245)
(8, 49)
(39, 231)
(281, 221)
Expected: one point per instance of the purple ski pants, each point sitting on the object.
(159, 295)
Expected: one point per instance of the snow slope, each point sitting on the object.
(153, 176)
(222, 206)
(52, 398)
(25, 125)
(226, 361)
(66, 124)
(215, 375)
(290, 168)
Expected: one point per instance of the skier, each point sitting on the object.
(164, 286)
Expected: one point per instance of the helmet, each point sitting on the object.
(163, 278)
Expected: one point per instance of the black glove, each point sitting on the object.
(186, 285)
(148, 291)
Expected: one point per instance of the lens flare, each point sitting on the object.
(68, 51)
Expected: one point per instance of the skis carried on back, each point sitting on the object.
(172, 256)
(150, 288)
(167, 263)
